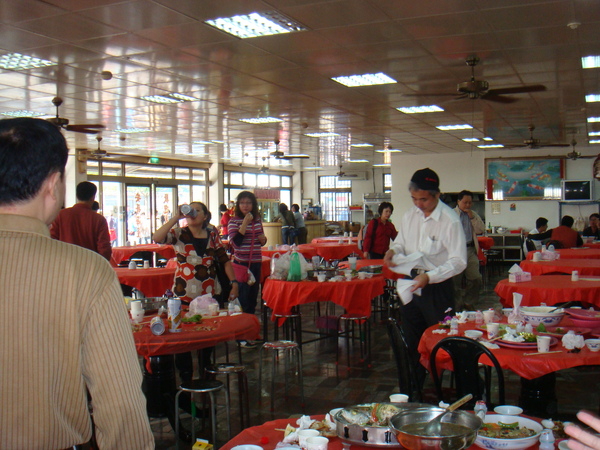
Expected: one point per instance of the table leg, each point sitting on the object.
(158, 383)
(538, 396)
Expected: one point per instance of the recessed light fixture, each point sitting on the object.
(487, 139)
(321, 135)
(595, 141)
(463, 126)
(256, 24)
(261, 120)
(389, 150)
(168, 98)
(590, 62)
(491, 146)
(592, 98)
(420, 109)
(132, 130)
(22, 113)
(204, 142)
(594, 133)
(357, 160)
(593, 119)
(367, 79)
(382, 165)
(17, 61)
(471, 140)
(364, 144)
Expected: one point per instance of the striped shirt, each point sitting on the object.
(66, 329)
(249, 242)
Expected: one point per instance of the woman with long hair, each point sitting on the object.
(246, 237)
(288, 224)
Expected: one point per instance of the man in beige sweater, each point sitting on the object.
(65, 330)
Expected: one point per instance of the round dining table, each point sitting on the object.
(572, 253)
(333, 239)
(550, 289)
(485, 242)
(585, 267)
(124, 253)
(354, 296)
(153, 282)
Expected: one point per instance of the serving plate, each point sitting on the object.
(552, 331)
(371, 269)
(584, 314)
(524, 345)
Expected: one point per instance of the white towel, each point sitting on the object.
(404, 290)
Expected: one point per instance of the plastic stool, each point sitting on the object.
(289, 348)
(292, 326)
(230, 369)
(202, 387)
(364, 336)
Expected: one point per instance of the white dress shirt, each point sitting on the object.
(440, 237)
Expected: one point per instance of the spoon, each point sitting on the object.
(434, 427)
(560, 307)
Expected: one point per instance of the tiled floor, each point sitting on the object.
(327, 385)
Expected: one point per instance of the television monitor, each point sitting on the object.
(577, 190)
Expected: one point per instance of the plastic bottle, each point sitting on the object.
(479, 318)
(480, 409)
(547, 440)
(295, 272)
(454, 326)
(187, 210)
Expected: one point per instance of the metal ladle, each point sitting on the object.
(434, 427)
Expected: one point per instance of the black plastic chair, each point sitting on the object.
(407, 375)
(530, 245)
(465, 354)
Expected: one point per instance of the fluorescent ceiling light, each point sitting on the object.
(22, 113)
(256, 24)
(367, 79)
(389, 150)
(420, 109)
(357, 160)
(364, 144)
(17, 61)
(454, 127)
(491, 146)
(261, 120)
(593, 119)
(214, 141)
(595, 141)
(320, 135)
(182, 97)
(590, 62)
(471, 140)
(168, 98)
(313, 168)
(592, 98)
(382, 165)
(132, 130)
(487, 139)
(594, 133)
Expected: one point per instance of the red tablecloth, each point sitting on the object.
(387, 273)
(333, 239)
(529, 367)
(152, 282)
(586, 267)
(329, 251)
(355, 296)
(550, 289)
(265, 268)
(573, 253)
(592, 244)
(272, 433)
(485, 242)
(227, 328)
(122, 253)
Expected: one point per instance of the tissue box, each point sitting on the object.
(202, 444)
(519, 277)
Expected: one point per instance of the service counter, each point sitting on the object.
(315, 228)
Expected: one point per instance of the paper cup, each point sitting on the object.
(348, 277)
(537, 256)
(543, 344)
(352, 260)
(213, 309)
(488, 316)
(146, 264)
(398, 398)
(362, 275)
(136, 305)
(303, 435)
(137, 316)
(317, 443)
(321, 277)
(271, 247)
(492, 330)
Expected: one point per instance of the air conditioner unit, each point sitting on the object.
(355, 176)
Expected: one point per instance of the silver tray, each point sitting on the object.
(370, 435)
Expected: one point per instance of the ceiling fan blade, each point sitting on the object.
(518, 89)
(92, 128)
(555, 145)
(493, 97)
(294, 157)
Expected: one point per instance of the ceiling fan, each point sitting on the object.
(99, 153)
(573, 154)
(264, 168)
(280, 155)
(533, 143)
(61, 122)
(480, 89)
(341, 173)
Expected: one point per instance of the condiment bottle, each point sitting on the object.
(547, 440)
(479, 318)
(480, 409)
(453, 326)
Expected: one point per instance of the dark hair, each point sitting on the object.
(464, 193)
(30, 151)
(247, 194)
(95, 206)
(86, 191)
(567, 221)
(413, 187)
(295, 207)
(540, 222)
(283, 208)
(384, 205)
(596, 215)
(207, 214)
(223, 207)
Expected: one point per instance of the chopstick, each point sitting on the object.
(541, 353)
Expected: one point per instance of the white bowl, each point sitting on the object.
(541, 314)
(506, 311)
(473, 334)
(509, 444)
(508, 410)
(247, 447)
(593, 344)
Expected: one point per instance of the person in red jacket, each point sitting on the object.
(380, 231)
(563, 236)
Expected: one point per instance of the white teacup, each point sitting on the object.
(317, 443)
(362, 275)
(303, 435)
(398, 398)
(537, 256)
(488, 316)
(321, 277)
(543, 344)
(146, 264)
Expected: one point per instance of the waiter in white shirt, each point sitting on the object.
(433, 229)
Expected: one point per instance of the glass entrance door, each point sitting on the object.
(139, 212)
(166, 204)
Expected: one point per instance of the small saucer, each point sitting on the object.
(508, 410)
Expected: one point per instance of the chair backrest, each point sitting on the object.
(530, 245)
(465, 354)
(407, 377)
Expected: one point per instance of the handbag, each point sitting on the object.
(242, 273)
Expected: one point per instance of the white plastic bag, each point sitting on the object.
(202, 305)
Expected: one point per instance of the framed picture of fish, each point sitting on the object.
(524, 178)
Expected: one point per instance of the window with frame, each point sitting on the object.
(387, 182)
(236, 182)
(334, 197)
